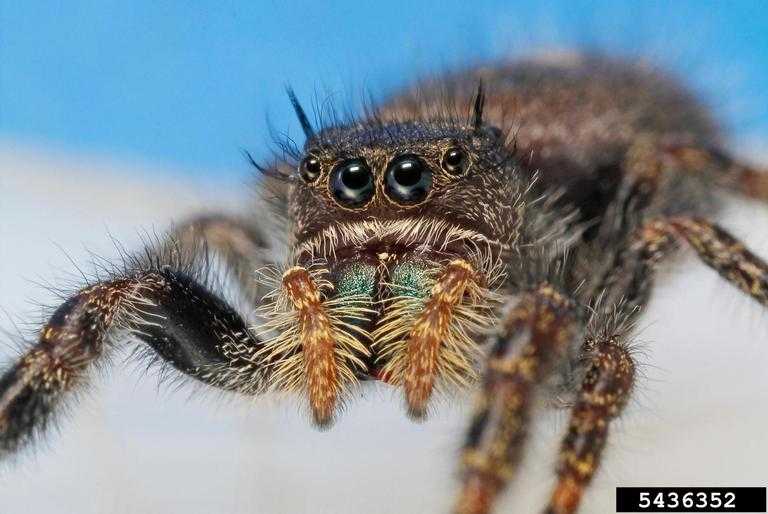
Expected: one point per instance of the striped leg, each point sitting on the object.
(604, 392)
(715, 247)
(632, 277)
(610, 374)
(647, 163)
(165, 307)
(536, 334)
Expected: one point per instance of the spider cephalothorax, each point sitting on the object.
(399, 229)
(425, 248)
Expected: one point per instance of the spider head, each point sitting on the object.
(398, 219)
(385, 203)
(385, 173)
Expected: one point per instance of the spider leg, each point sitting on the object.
(648, 157)
(609, 378)
(608, 381)
(646, 164)
(732, 174)
(643, 167)
(748, 181)
(603, 394)
(715, 247)
(238, 241)
(536, 333)
(163, 306)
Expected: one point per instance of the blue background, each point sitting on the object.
(186, 85)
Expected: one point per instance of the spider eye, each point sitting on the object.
(352, 183)
(408, 179)
(455, 161)
(310, 168)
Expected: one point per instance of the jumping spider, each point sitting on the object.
(442, 240)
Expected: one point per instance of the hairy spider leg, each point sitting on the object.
(608, 383)
(732, 174)
(648, 153)
(239, 242)
(647, 162)
(186, 326)
(604, 392)
(715, 247)
(536, 333)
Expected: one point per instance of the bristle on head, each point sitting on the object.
(306, 126)
(478, 107)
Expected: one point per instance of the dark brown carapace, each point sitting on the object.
(497, 228)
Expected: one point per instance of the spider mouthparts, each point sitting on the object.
(322, 418)
(377, 373)
(400, 305)
(318, 344)
(426, 349)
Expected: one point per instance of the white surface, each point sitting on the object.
(699, 417)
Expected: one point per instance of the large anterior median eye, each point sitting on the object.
(352, 183)
(408, 179)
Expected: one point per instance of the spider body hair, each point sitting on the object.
(498, 226)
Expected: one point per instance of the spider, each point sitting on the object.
(446, 239)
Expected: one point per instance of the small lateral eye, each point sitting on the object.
(310, 168)
(455, 161)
